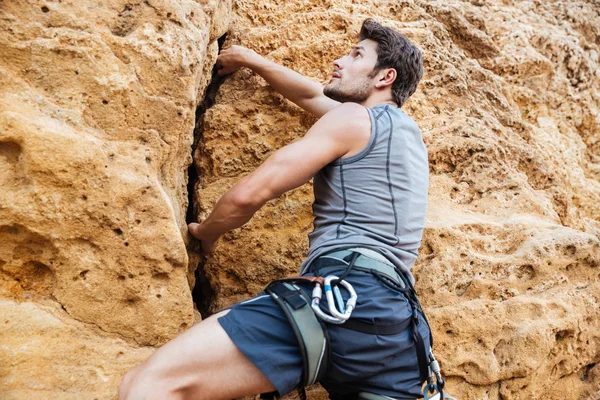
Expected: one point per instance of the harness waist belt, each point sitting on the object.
(362, 263)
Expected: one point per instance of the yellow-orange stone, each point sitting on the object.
(97, 117)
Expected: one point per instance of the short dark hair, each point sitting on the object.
(394, 50)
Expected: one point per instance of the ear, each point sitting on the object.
(386, 77)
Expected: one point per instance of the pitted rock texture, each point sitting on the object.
(508, 270)
(59, 357)
(97, 112)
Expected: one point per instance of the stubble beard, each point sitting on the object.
(358, 93)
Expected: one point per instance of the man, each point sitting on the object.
(370, 171)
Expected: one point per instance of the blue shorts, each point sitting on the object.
(382, 364)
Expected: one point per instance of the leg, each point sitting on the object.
(202, 363)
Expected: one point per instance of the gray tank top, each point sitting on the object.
(376, 198)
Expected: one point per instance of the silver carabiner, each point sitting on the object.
(350, 304)
(336, 316)
(316, 299)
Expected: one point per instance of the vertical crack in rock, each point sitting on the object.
(202, 293)
(586, 371)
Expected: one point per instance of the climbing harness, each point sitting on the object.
(308, 319)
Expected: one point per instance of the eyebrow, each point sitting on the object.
(358, 48)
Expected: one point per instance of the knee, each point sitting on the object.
(146, 384)
(126, 384)
(134, 385)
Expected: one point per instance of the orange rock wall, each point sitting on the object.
(97, 111)
(98, 106)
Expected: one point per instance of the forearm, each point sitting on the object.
(229, 213)
(293, 86)
(288, 83)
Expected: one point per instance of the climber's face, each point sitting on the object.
(353, 78)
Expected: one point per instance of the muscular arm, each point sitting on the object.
(333, 136)
(290, 84)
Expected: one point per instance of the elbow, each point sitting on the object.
(264, 184)
(247, 199)
(242, 200)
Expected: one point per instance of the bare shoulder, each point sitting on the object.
(347, 129)
(349, 118)
(350, 110)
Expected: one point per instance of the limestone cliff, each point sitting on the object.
(97, 111)
(101, 103)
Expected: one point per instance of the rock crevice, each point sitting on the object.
(202, 293)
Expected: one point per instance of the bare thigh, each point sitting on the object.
(206, 364)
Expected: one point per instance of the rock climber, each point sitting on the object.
(370, 170)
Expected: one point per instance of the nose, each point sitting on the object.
(336, 64)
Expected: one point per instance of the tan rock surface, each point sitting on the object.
(97, 111)
(509, 109)
(59, 357)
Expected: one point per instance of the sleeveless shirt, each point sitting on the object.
(376, 198)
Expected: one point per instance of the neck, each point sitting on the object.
(376, 99)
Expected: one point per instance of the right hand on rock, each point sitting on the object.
(207, 245)
(232, 58)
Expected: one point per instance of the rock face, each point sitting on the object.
(508, 271)
(97, 117)
(97, 111)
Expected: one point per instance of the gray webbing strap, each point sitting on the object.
(367, 265)
(311, 333)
